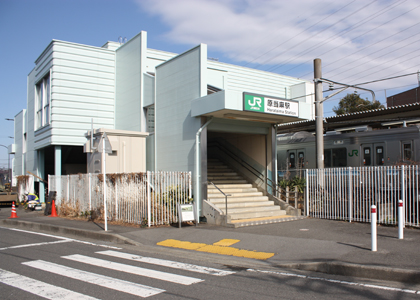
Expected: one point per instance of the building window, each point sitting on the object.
(42, 102)
(407, 151)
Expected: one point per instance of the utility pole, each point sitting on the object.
(319, 114)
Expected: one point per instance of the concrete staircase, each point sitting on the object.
(245, 201)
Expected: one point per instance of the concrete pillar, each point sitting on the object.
(57, 169)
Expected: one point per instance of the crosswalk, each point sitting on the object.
(50, 291)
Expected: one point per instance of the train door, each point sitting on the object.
(296, 158)
(366, 154)
(373, 154)
(407, 150)
(379, 154)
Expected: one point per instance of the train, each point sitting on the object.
(362, 147)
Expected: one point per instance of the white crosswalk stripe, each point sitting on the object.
(97, 279)
(167, 263)
(180, 279)
(39, 288)
(50, 291)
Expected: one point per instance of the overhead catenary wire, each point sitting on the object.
(337, 35)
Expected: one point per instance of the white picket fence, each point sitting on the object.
(148, 198)
(348, 193)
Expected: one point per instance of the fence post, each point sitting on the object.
(149, 215)
(296, 198)
(400, 220)
(287, 194)
(90, 190)
(403, 192)
(116, 198)
(373, 227)
(68, 188)
(350, 196)
(307, 193)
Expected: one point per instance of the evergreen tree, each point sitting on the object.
(353, 103)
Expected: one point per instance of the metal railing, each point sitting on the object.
(148, 198)
(226, 195)
(348, 193)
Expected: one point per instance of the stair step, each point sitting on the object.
(230, 178)
(235, 195)
(217, 201)
(236, 181)
(248, 204)
(255, 214)
(231, 186)
(231, 190)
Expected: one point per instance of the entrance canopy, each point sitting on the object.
(250, 107)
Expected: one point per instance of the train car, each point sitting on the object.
(363, 147)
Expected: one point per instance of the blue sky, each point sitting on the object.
(357, 40)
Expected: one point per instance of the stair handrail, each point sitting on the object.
(226, 195)
(277, 190)
(245, 164)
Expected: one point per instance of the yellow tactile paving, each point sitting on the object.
(261, 219)
(226, 242)
(216, 248)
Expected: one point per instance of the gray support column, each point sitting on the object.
(41, 173)
(319, 114)
(57, 169)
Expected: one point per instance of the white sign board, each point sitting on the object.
(186, 212)
(108, 148)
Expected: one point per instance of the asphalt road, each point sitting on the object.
(37, 266)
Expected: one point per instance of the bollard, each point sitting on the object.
(373, 227)
(400, 220)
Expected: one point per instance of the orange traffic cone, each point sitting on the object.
(13, 215)
(53, 211)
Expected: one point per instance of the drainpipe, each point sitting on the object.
(198, 169)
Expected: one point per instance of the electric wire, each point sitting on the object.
(295, 36)
(353, 39)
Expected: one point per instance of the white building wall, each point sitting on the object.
(82, 88)
(178, 82)
(129, 110)
(30, 155)
(240, 79)
(19, 131)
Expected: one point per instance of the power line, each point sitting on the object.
(283, 43)
(339, 35)
(388, 37)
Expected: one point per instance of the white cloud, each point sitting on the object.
(357, 40)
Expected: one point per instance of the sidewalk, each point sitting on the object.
(333, 247)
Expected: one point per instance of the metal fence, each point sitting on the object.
(149, 198)
(348, 193)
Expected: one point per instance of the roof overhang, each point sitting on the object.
(375, 118)
(229, 105)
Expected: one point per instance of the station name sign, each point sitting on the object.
(270, 105)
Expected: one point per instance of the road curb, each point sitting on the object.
(103, 236)
(332, 268)
(358, 270)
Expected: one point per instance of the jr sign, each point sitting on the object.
(270, 105)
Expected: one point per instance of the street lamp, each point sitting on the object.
(8, 161)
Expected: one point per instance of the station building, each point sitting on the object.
(161, 111)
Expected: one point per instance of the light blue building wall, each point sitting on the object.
(179, 81)
(118, 84)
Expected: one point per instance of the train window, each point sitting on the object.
(327, 158)
(292, 161)
(380, 160)
(407, 151)
(367, 156)
(339, 157)
(335, 157)
(301, 160)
